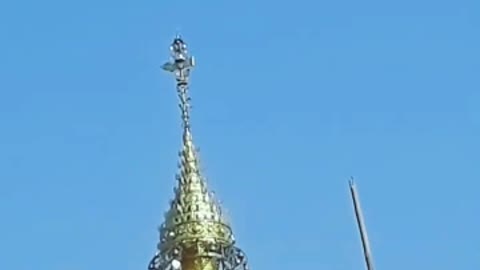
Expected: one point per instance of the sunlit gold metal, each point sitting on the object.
(194, 215)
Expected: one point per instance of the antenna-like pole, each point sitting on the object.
(361, 226)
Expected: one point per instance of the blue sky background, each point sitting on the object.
(290, 98)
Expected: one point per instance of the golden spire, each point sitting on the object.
(195, 234)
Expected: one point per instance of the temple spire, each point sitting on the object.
(195, 234)
(181, 65)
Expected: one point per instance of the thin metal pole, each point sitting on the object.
(361, 226)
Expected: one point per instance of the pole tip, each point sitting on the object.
(351, 182)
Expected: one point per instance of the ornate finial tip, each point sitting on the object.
(178, 45)
(180, 58)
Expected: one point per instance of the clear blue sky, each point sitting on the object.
(291, 98)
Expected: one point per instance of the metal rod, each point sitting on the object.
(361, 226)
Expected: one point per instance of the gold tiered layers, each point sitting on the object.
(194, 213)
(195, 234)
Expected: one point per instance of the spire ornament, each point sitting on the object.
(195, 234)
